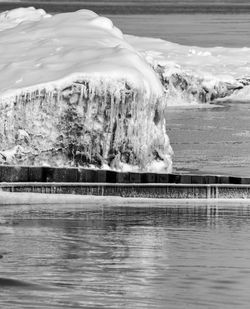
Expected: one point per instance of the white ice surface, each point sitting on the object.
(221, 62)
(37, 49)
(12, 18)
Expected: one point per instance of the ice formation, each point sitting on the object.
(74, 92)
(194, 75)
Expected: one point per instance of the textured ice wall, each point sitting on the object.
(88, 123)
(185, 87)
(73, 92)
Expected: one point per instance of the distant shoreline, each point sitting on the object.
(131, 8)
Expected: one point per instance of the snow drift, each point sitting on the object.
(74, 92)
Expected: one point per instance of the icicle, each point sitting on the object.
(81, 93)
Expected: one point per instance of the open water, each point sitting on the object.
(211, 139)
(201, 25)
(143, 256)
(205, 30)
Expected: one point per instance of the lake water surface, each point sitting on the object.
(206, 30)
(212, 139)
(227, 27)
(179, 256)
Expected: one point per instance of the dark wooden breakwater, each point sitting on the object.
(111, 183)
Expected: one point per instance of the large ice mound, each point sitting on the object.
(74, 92)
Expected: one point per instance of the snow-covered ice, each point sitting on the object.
(38, 49)
(74, 89)
(194, 74)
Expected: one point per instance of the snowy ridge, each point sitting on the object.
(193, 75)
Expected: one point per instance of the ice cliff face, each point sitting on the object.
(74, 92)
(85, 124)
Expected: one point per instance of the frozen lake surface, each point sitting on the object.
(125, 256)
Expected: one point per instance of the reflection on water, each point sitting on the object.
(124, 257)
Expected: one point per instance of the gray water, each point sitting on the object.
(125, 257)
(137, 6)
(192, 24)
(211, 139)
(206, 30)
